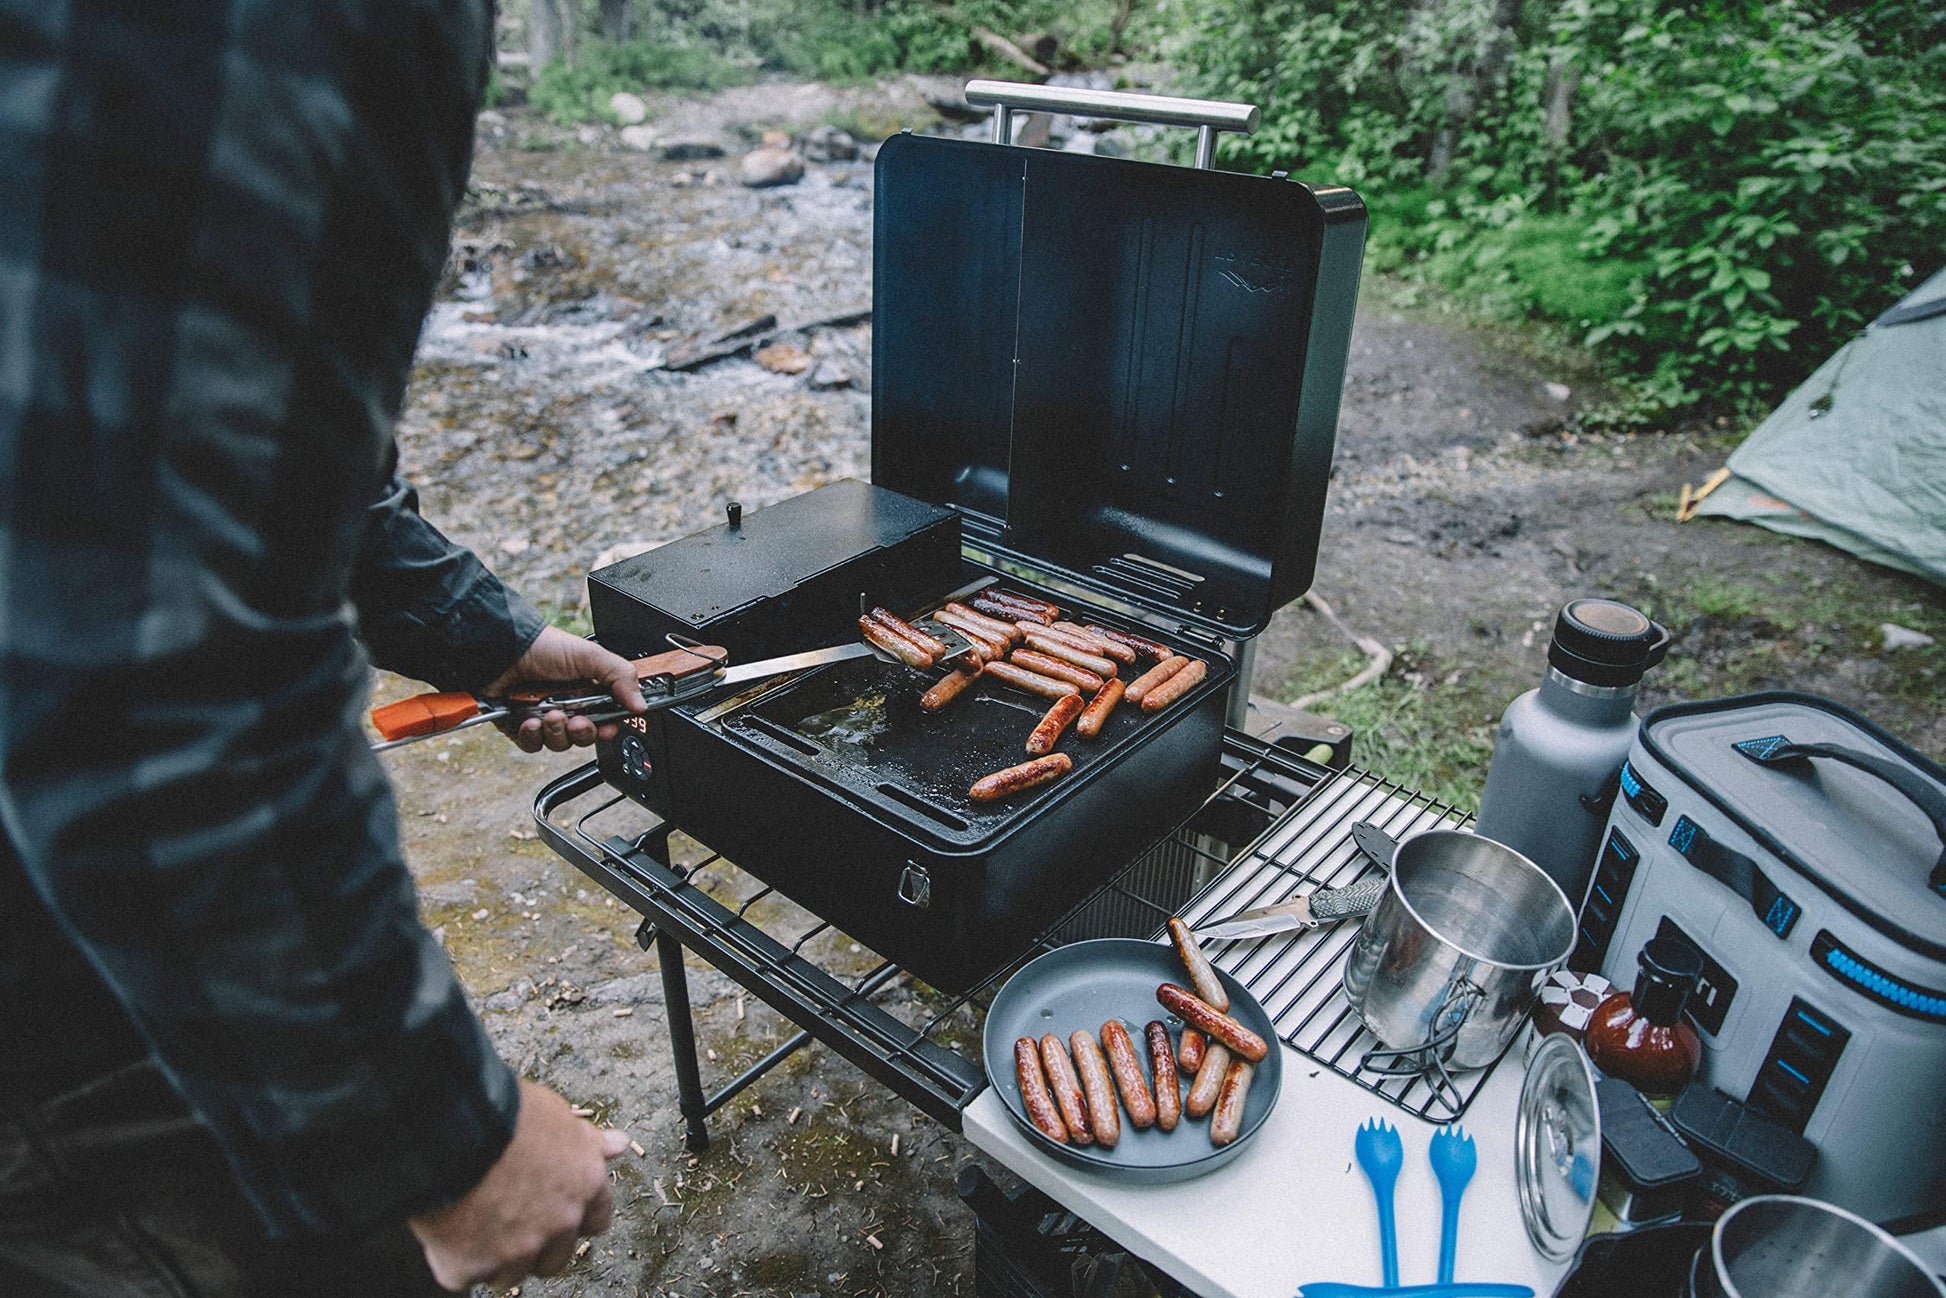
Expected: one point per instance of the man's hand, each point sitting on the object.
(524, 1218)
(557, 656)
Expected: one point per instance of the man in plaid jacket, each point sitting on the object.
(231, 1059)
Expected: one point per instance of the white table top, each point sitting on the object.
(1294, 1207)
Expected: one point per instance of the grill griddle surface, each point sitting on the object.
(888, 751)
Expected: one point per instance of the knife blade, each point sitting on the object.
(1323, 906)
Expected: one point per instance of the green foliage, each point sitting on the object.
(1736, 188)
(579, 91)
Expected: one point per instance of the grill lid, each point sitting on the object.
(1126, 376)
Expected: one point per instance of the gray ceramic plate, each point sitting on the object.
(1083, 986)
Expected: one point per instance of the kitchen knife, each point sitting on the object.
(667, 679)
(1324, 906)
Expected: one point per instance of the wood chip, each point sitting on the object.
(635, 1147)
(739, 1007)
(581, 1249)
(583, 1112)
(623, 1012)
(794, 1115)
(1682, 507)
(895, 1144)
(874, 1242)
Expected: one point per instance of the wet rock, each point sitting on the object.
(628, 109)
(829, 144)
(588, 136)
(1557, 392)
(1903, 637)
(829, 375)
(774, 140)
(691, 151)
(638, 137)
(767, 167)
(782, 358)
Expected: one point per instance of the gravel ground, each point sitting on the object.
(545, 433)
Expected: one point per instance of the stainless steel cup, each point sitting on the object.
(1454, 954)
(1783, 1246)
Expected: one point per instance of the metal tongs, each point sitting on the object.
(681, 674)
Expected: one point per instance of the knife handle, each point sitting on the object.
(1347, 903)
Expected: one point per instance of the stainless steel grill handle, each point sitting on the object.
(1208, 116)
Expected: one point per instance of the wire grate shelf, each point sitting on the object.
(1300, 978)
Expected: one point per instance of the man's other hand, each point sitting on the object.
(555, 657)
(524, 1218)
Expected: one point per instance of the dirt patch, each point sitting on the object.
(543, 431)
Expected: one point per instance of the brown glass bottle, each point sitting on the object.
(1641, 1036)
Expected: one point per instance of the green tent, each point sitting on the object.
(1856, 456)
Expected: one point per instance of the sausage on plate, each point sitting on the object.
(950, 686)
(1212, 1022)
(1018, 779)
(1126, 1067)
(1162, 1063)
(1034, 661)
(1190, 1054)
(1097, 1086)
(1202, 975)
(1208, 1083)
(1067, 1089)
(884, 637)
(1048, 732)
(1032, 682)
(1227, 1125)
(1176, 686)
(1095, 715)
(1034, 1097)
(1148, 680)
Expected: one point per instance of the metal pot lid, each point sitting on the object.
(1557, 1147)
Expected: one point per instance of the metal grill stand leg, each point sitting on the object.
(682, 1042)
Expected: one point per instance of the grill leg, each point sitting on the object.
(682, 1042)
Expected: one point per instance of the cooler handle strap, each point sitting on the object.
(1776, 750)
(1738, 873)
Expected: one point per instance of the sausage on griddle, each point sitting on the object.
(1048, 732)
(1096, 714)
(884, 637)
(1093, 643)
(1033, 682)
(1056, 647)
(1176, 686)
(992, 645)
(1035, 661)
(950, 687)
(1148, 680)
(931, 643)
(1018, 779)
(1001, 629)
(1008, 612)
(1014, 597)
(1140, 644)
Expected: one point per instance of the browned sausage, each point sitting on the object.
(1093, 643)
(1153, 677)
(931, 643)
(1176, 686)
(1009, 612)
(1103, 1119)
(1096, 714)
(1168, 1087)
(1032, 682)
(1019, 779)
(1001, 629)
(950, 686)
(884, 637)
(1067, 1089)
(1126, 1067)
(994, 646)
(1208, 1083)
(1212, 1022)
(1048, 732)
(1194, 1044)
(1019, 600)
(1140, 644)
(1066, 652)
(1033, 1091)
(1228, 1122)
(1202, 975)
(1035, 661)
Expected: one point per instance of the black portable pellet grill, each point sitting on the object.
(1112, 383)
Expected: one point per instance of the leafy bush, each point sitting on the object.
(579, 91)
(1736, 187)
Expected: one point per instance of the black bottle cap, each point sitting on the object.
(1668, 970)
(1602, 642)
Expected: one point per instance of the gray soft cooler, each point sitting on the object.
(1803, 851)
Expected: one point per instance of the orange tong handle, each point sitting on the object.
(424, 714)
